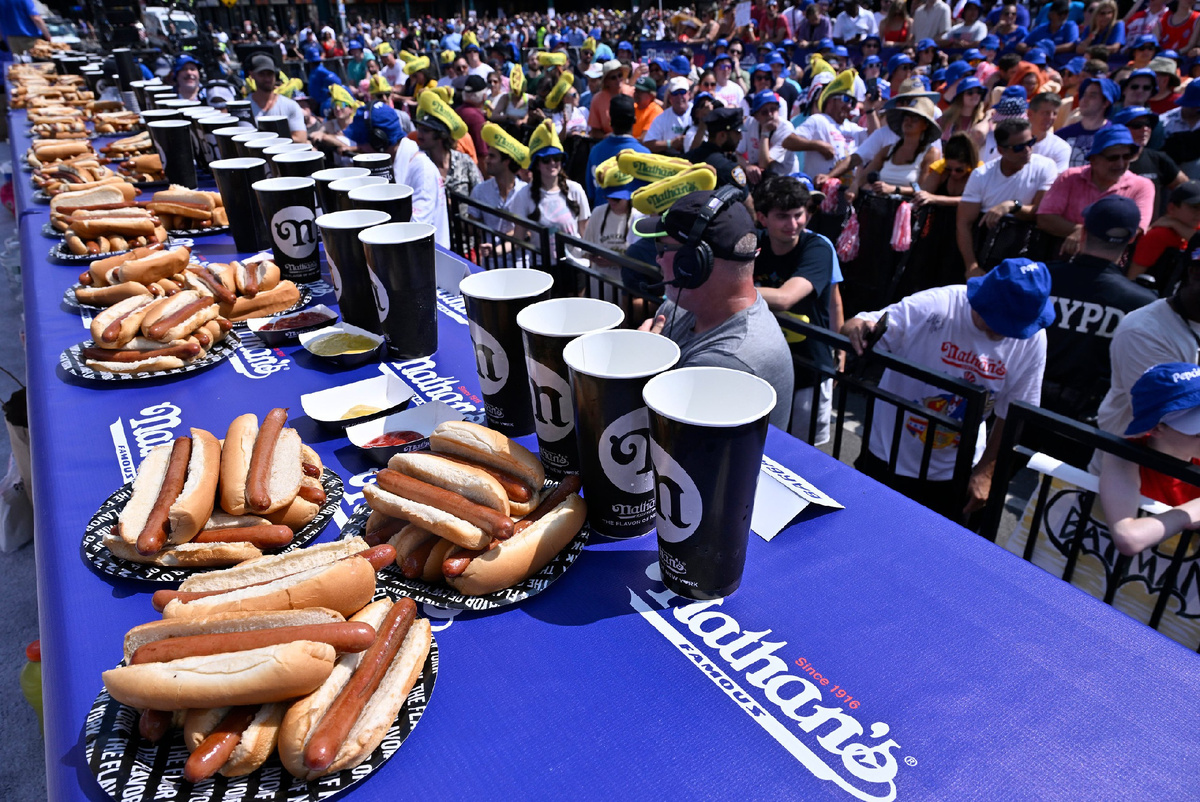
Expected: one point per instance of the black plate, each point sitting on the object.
(50, 231)
(71, 360)
(40, 196)
(198, 232)
(70, 301)
(111, 741)
(445, 596)
(62, 254)
(147, 186)
(101, 559)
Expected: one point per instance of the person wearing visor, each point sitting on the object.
(1166, 419)
(706, 245)
(264, 100)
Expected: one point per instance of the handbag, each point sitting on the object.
(847, 241)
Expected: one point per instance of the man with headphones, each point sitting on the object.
(706, 245)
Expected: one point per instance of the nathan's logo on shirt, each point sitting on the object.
(552, 414)
(741, 660)
(676, 497)
(259, 363)
(491, 362)
(295, 230)
(625, 452)
(963, 359)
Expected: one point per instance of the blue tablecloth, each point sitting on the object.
(876, 652)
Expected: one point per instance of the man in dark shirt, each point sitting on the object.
(1150, 163)
(724, 132)
(473, 96)
(794, 273)
(1091, 296)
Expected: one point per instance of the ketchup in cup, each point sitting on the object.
(297, 321)
(393, 439)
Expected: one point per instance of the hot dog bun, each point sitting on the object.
(256, 277)
(130, 313)
(254, 676)
(378, 712)
(164, 308)
(222, 623)
(272, 567)
(186, 555)
(257, 740)
(286, 467)
(284, 295)
(116, 192)
(108, 296)
(525, 553)
(433, 519)
(146, 485)
(484, 446)
(472, 483)
(151, 267)
(190, 511)
(153, 365)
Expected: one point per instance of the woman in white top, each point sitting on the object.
(511, 108)
(496, 90)
(895, 170)
(551, 199)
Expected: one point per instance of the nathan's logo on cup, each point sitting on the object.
(552, 414)
(491, 362)
(672, 562)
(382, 305)
(335, 275)
(680, 507)
(295, 230)
(625, 453)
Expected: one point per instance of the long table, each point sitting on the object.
(876, 652)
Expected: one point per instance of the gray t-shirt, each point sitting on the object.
(283, 107)
(750, 341)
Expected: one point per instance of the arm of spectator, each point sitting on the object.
(783, 298)
(968, 213)
(841, 168)
(797, 142)
(1028, 211)
(857, 330)
(837, 319)
(1058, 226)
(860, 176)
(980, 483)
(1120, 497)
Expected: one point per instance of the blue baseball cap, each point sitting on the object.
(872, 38)
(624, 46)
(661, 63)
(1108, 88)
(761, 67)
(603, 53)
(312, 52)
(680, 64)
(1167, 393)
(722, 57)
(957, 71)
(623, 192)
(926, 44)
(761, 99)
(357, 44)
(182, 62)
(898, 60)
(808, 184)
(841, 52)
(872, 61)
(1013, 298)
(967, 84)
(1111, 136)
(990, 42)
(1145, 40)
(1144, 72)
(1047, 46)
(937, 77)
(825, 44)
(1114, 219)
(1036, 57)
(381, 117)
(1075, 65)
(722, 43)
(972, 54)
(777, 58)
(1191, 96)
(1171, 54)
(1131, 113)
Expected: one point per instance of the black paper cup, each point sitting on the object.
(208, 129)
(289, 209)
(609, 370)
(173, 141)
(226, 147)
(199, 147)
(256, 148)
(358, 290)
(299, 164)
(155, 115)
(708, 427)
(340, 189)
(546, 328)
(159, 94)
(278, 150)
(395, 199)
(235, 181)
(139, 90)
(179, 103)
(377, 163)
(401, 256)
(241, 110)
(274, 123)
(94, 77)
(240, 140)
(493, 299)
(326, 201)
(128, 70)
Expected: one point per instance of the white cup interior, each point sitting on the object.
(395, 233)
(241, 163)
(569, 317)
(381, 192)
(264, 143)
(621, 354)
(506, 284)
(308, 154)
(253, 134)
(233, 130)
(707, 396)
(285, 184)
(355, 218)
(347, 184)
(332, 174)
(373, 157)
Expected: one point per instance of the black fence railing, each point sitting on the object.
(1028, 429)
(591, 270)
(488, 236)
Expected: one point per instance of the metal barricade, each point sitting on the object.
(576, 273)
(469, 231)
(1028, 429)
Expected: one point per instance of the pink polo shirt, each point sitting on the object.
(1073, 191)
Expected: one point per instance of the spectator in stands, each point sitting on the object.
(1166, 96)
(1092, 296)
(815, 26)
(931, 21)
(1152, 164)
(1042, 111)
(1013, 185)
(513, 106)
(391, 68)
(1160, 253)
(1177, 30)
(716, 316)
(989, 333)
(668, 132)
(853, 24)
(724, 133)
(500, 189)
(828, 136)
(356, 67)
(1138, 87)
(320, 77)
(264, 99)
(22, 25)
(1166, 418)
(936, 260)
(966, 113)
(970, 31)
(727, 91)
(1181, 126)
(613, 86)
(1007, 29)
(795, 274)
(551, 199)
(646, 106)
(1096, 96)
(609, 225)
(762, 152)
(894, 26)
(1107, 173)
(1104, 32)
(1142, 19)
(900, 167)
(1058, 28)
(471, 109)
(623, 116)
(436, 139)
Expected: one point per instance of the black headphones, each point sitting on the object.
(694, 261)
(376, 138)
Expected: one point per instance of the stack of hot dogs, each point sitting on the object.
(102, 217)
(183, 209)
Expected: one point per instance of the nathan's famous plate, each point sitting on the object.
(50, 231)
(147, 186)
(62, 254)
(395, 583)
(71, 301)
(101, 559)
(131, 769)
(197, 232)
(72, 361)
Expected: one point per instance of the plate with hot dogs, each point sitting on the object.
(299, 696)
(146, 358)
(469, 530)
(189, 508)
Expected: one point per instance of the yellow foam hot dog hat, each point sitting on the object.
(843, 84)
(416, 65)
(589, 44)
(446, 56)
(446, 92)
(406, 57)
(650, 167)
(469, 38)
(516, 80)
(555, 98)
(818, 65)
(496, 137)
(379, 85)
(609, 175)
(383, 49)
(289, 87)
(432, 105)
(552, 59)
(543, 142)
(340, 95)
(656, 198)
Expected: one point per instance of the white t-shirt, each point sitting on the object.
(973, 33)
(880, 140)
(934, 328)
(283, 107)
(488, 194)
(429, 196)
(988, 186)
(844, 138)
(554, 211)
(483, 70)
(394, 74)
(847, 27)
(783, 161)
(669, 125)
(731, 94)
(1052, 146)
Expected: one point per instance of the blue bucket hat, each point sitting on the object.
(1130, 113)
(898, 60)
(624, 46)
(938, 76)
(661, 63)
(792, 43)
(1075, 65)
(761, 99)
(841, 52)
(966, 85)
(680, 64)
(1111, 136)
(1013, 298)
(1167, 393)
(1036, 57)
(872, 61)
(1191, 96)
(381, 117)
(603, 53)
(825, 44)
(926, 44)
(1144, 72)
(761, 67)
(722, 57)
(357, 44)
(990, 42)
(1171, 54)
(872, 38)
(957, 71)
(776, 58)
(722, 43)
(1145, 40)
(1108, 88)
(972, 54)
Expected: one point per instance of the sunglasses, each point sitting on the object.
(1139, 125)
(1021, 147)
(709, 85)
(551, 159)
(1140, 88)
(1117, 157)
(735, 52)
